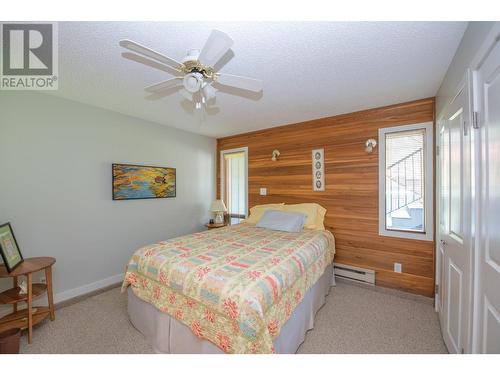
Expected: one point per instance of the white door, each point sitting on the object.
(487, 327)
(454, 229)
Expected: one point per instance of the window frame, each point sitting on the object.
(222, 172)
(428, 152)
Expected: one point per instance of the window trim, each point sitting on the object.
(428, 235)
(222, 174)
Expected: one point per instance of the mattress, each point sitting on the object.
(236, 286)
(169, 336)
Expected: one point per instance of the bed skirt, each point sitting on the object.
(168, 335)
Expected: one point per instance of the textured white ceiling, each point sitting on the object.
(310, 70)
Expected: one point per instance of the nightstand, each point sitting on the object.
(27, 318)
(215, 226)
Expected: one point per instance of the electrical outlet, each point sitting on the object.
(263, 191)
(43, 280)
(398, 267)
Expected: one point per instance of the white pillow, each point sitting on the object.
(283, 221)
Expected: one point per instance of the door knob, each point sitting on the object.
(443, 242)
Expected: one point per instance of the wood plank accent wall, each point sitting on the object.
(351, 195)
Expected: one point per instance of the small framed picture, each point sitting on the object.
(318, 170)
(9, 250)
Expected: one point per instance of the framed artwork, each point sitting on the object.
(143, 182)
(9, 250)
(318, 169)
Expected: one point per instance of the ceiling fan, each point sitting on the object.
(196, 72)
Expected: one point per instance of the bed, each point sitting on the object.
(237, 289)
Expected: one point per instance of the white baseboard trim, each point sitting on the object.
(84, 289)
(72, 293)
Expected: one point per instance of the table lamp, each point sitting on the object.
(218, 208)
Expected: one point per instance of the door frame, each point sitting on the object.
(222, 174)
(437, 214)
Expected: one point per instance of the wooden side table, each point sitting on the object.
(214, 226)
(32, 315)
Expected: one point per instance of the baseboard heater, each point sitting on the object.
(363, 275)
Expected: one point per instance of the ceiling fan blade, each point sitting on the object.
(137, 48)
(245, 83)
(172, 82)
(186, 94)
(217, 44)
(154, 64)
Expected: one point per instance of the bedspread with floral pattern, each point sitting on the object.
(235, 286)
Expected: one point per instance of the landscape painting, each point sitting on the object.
(142, 182)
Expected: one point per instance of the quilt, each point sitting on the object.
(235, 286)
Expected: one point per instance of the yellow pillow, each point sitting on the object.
(256, 212)
(315, 214)
(320, 219)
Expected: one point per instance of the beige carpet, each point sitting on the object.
(355, 319)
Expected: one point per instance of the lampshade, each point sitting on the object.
(218, 206)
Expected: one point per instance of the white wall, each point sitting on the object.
(473, 38)
(55, 185)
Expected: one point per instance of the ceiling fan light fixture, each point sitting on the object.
(192, 82)
(186, 94)
(209, 92)
(196, 70)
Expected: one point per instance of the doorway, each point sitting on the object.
(234, 183)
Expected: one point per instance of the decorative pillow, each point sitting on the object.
(282, 220)
(315, 214)
(256, 212)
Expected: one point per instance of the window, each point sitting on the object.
(405, 181)
(234, 186)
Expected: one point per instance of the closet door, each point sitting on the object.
(487, 327)
(455, 222)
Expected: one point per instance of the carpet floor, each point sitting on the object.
(355, 319)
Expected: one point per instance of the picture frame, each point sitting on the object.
(131, 181)
(318, 169)
(9, 249)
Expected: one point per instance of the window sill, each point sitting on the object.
(407, 235)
